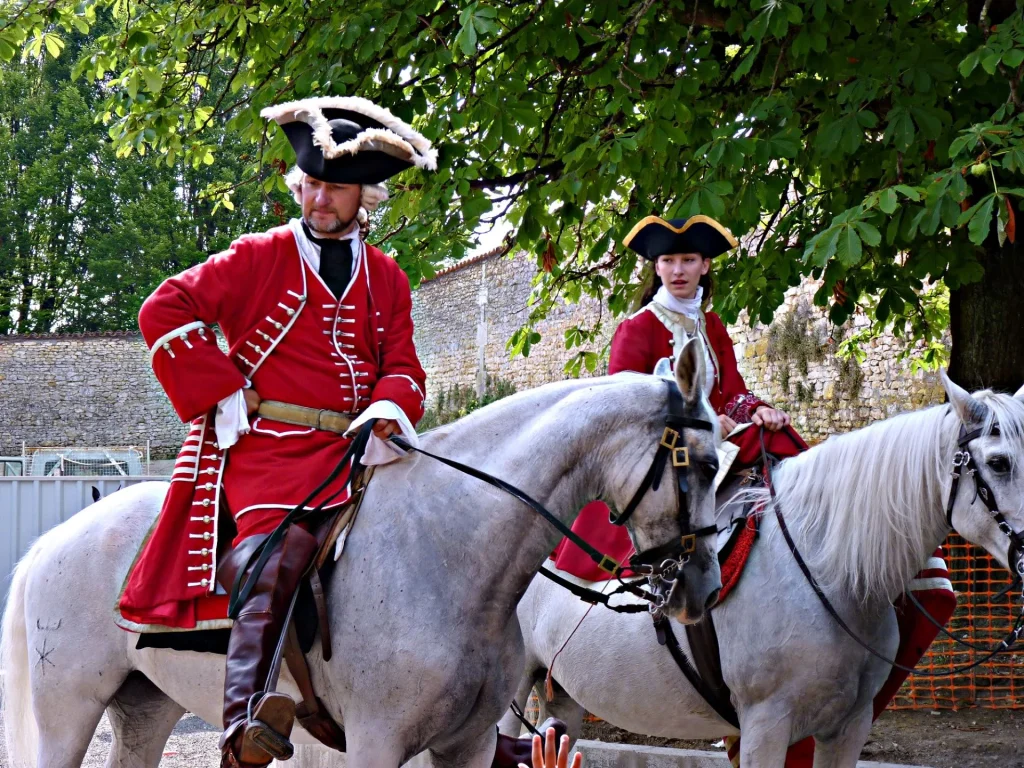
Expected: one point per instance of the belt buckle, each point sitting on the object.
(320, 418)
(689, 543)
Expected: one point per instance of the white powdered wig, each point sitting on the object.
(371, 195)
(397, 137)
(863, 506)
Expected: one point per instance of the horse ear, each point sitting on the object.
(1020, 394)
(969, 409)
(690, 370)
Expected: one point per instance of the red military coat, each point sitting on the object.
(638, 344)
(297, 343)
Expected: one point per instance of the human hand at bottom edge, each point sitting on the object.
(544, 753)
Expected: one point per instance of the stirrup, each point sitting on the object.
(269, 724)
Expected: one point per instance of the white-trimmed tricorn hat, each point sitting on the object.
(350, 140)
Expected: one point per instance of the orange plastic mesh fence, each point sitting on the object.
(979, 619)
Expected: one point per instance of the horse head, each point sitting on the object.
(679, 506)
(985, 500)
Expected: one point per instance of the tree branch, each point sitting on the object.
(551, 169)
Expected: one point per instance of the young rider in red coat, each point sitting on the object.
(672, 310)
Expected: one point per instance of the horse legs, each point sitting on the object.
(141, 718)
(68, 697)
(473, 753)
(65, 731)
(562, 706)
(509, 723)
(766, 734)
(842, 749)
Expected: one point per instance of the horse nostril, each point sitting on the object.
(712, 600)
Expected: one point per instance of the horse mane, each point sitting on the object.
(865, 505)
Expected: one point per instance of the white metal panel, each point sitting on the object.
(30, 506)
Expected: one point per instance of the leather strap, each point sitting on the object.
(321, 612)
(707, 658)
(310, 712)
(667, 637)
(300, 416)
(594, 597)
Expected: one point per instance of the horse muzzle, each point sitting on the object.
(692, 593)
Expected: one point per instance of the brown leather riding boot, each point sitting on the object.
(510, 751)
(257, 725)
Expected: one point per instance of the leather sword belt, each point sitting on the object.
(286, 413)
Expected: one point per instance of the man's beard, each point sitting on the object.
(331, 229)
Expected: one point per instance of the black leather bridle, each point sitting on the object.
(963, 462)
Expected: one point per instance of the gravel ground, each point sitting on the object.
(968, 739)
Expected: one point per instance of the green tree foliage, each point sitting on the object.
(875, 144)
(85, 235)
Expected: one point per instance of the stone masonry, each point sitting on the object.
(83, 390)
(99, 389)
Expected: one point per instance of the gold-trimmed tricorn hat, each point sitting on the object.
(654, 236)
(350, 140)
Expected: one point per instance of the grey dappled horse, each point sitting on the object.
(427, 647)
(866, 510)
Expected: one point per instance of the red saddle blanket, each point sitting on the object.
(593, 525)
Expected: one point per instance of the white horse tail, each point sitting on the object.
(20, 730)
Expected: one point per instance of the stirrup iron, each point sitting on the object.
(270, 724)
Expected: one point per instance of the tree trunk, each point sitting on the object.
(987, 323)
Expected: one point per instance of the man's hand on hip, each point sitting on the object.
(252, 401)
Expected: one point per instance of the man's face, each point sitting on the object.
(329, 208)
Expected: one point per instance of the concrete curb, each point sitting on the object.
(598, 754)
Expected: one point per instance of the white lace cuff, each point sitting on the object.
(379, 451)
(232, 418)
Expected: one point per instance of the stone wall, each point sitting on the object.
(83, 390)
(465, 316)
(100, 390)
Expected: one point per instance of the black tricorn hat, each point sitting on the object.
(350, 140)
(653, 237)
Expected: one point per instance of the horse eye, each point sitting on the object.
(710, 469)
(999, 464)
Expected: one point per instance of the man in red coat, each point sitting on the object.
(320, 337)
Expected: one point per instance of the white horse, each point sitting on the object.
(427, 648)
(866, 511)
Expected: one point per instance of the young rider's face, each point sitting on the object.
(681, 272)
